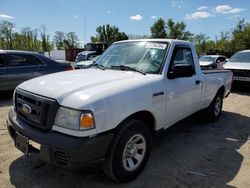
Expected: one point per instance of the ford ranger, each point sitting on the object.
(108, 113)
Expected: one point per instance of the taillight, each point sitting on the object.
(69, 68)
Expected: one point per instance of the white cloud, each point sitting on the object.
(177, 4)
(223, 8)
(76, 16)
(234, 17)
(198, 15)
(154, 17)
(5, 16)
(237, 10)
(226, 9)
(173, 3)
(202, 8)
(136, 17)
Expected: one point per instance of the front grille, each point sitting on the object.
(61, 158)
(41, 111)
(241, 73)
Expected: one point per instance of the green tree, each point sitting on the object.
(59, 39)
(71, 41)
(201, 41)
(109, 34)
(158, 29)
(6, 34)
(170, 29)
(46, 45)
(176, 30)
(27, 38)
(241, 36)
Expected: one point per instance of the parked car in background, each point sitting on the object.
(239, 63)
(86, 64)
(91, 50)
(19, 66)
(212, 61)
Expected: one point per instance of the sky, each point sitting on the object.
(130, 16)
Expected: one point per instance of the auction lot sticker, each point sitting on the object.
(156, 45)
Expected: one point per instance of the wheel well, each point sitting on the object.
(144, 116)
(221, 90)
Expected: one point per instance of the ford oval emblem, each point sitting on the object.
(26, 109)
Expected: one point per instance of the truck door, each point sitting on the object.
(183, 91)
(3, 74)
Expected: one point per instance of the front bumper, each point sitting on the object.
(60, 149)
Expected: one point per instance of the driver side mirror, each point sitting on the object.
(181, 70)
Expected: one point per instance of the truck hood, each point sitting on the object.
(237, 65)
(82, 85)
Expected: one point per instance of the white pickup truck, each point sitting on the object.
(108, 113)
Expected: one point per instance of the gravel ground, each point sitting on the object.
(192, 153)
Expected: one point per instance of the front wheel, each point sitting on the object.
(129, 153)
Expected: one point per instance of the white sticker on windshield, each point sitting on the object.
(156, 45)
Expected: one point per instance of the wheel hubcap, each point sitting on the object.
(217, 107)
(134, 152)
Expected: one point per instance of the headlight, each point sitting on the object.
(74, 119)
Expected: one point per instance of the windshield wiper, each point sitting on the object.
(123, 67)
(99, 66)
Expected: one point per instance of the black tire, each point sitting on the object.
(215, 108)
(117, 164)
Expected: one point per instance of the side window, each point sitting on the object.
(17, 60)
(32, 60)
(182, 55)
(221, 59)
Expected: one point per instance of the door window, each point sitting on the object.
(182, 55)
(17, 60)
(221, 59)
(32, 60)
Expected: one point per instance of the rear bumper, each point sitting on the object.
(60, 149)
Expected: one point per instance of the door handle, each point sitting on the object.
(197, 82)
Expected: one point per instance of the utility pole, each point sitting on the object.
(85, 31)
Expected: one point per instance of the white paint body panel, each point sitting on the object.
(113, 95)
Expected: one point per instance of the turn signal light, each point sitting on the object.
(87, 121)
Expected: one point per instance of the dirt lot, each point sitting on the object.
(192, 153)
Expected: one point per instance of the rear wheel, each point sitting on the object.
(129, 153)
(215, 108)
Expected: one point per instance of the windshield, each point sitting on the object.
(142, 56)
(207, 58)
(243, 57)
